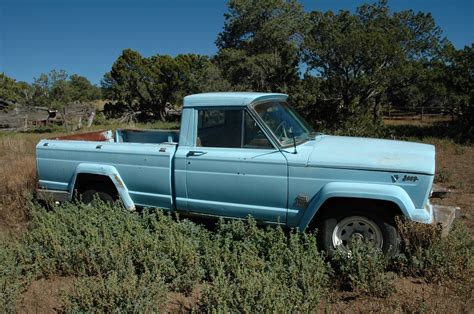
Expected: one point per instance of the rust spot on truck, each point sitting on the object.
(98, 136)
(120, 183)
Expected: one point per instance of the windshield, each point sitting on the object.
(283, 121)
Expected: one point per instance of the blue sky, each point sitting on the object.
(86, 36)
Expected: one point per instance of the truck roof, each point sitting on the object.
(229, 99)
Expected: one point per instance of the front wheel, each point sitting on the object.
(340, 226)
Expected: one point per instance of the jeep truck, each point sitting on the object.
(241, 154)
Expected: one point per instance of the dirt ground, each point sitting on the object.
(44, 295)
(412, 295)
(455, 170)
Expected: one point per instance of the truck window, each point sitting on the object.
(253, 136)
(232, 128)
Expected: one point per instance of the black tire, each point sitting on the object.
(104, 193)
(333, 217)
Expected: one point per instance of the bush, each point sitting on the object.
(426, 254)
(362, 269)
(11, 281)
(442, 176)
(78, 240)
(118, 293)
(130, 261)
(360, 125)
(254, 270)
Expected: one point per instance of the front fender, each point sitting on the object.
(108, 171)
(382, 192)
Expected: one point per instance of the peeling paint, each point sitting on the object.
(119, 182)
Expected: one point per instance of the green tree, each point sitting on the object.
(258, 48)
(57, 89)
(164, 77)
(126, 78)
(201, 74)
(82, 89)
(358, 54)
(150, 85)
(459, 82)
(41, 86)
(25, 92)
(51, 90)
(12, 91)
(145, 84)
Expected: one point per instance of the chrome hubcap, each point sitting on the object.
(356, 228)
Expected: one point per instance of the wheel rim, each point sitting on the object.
(356, 227)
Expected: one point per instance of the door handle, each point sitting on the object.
(195, 153)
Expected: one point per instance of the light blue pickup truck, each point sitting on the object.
(241, 154)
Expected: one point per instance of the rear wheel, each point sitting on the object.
(339, 226)
(104, 193)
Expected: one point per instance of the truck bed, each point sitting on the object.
(140, 159)
(125, 136)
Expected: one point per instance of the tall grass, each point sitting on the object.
(17, 177)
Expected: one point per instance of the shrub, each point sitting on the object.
(252, 269)
(426, 254)
(80, 240)
(442, 176)
(118, 293)
(362, 269)
(11, 280)
(362, 125)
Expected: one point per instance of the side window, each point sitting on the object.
(233, 128)
(219, 128)
(211, 118)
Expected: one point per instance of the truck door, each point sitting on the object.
(233, 170)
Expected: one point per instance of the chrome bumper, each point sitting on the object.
(52, 195)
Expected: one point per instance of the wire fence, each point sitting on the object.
(394, 112)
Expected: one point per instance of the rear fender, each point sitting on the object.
(107, 171)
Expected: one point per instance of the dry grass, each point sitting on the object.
(454, 170)
(416, 120)
(17, 178)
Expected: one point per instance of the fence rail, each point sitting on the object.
(394, 112)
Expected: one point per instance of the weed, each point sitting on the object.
(363, 269)
(80, 240)
(11, 280)
(459, 150)
(442, 176)
(251, 269)
(129, 293)
(426, 254)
